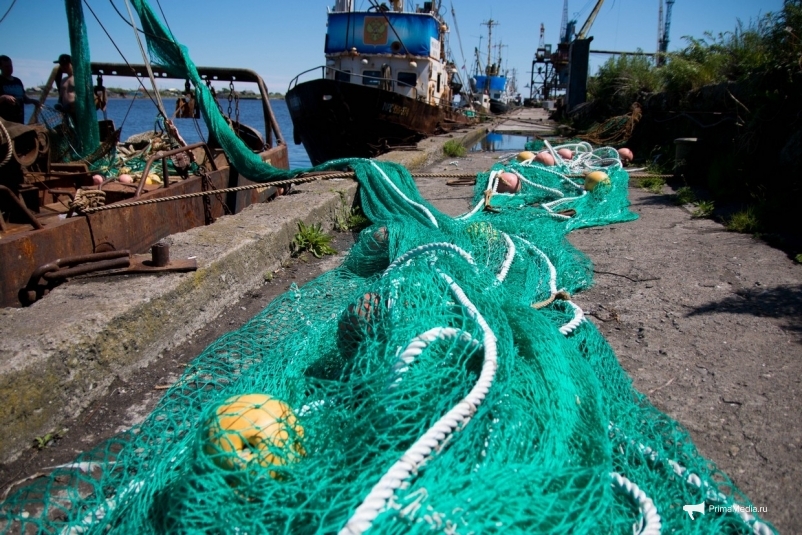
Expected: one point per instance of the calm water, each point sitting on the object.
(493, 142)
(139, 115)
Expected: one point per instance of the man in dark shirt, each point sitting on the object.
(12, 93)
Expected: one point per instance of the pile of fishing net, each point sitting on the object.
(440, 380)
(112, 158)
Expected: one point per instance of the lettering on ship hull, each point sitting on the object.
(394, 109)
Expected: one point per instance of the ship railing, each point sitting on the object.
(394, 84)
(218, 74)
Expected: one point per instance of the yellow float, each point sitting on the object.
(594, 178)
(254, 428)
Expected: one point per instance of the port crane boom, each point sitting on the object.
(588, 23)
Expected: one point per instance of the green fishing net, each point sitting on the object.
(440, 380)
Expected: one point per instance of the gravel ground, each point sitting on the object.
(708, 324)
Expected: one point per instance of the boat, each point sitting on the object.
(489, 83)
(44, 237)
(386, 84)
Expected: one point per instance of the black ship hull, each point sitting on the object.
(336, 119)
(498, 107)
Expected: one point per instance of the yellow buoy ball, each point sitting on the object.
(565, 154)
(126, 178)
(153, 178)
(594, 178)
(525, 155)
(254, 428)
(625, 155)
(508, 183)
(545, 158)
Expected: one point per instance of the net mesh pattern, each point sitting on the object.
(440, 380)
(341, 397)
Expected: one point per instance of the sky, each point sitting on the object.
(281, 39)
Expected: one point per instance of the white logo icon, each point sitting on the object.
(691, 509)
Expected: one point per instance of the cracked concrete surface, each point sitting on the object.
(708, 324)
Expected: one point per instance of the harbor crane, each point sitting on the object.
(567, 68)
(662, 31)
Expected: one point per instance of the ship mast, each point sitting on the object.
(489, 23)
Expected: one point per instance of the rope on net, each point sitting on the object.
(422, 449)
(432, 390)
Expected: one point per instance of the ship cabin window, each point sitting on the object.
(371, 78)
(407, 79)
(342, 76)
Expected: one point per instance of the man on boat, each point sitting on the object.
(66, 85)
(12, 93)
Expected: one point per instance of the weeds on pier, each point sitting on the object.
(312, 238)
(454, 149)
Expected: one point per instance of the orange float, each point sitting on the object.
(545, 158)
(566, 154)
(625, 155)
(254, 428)
(508, 183)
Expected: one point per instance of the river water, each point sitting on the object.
(139, 115)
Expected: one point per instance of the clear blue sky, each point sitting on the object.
(279, 39)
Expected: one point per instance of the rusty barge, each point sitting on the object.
(45, 239)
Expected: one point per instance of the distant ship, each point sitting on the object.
(386, 84)
(490, 88)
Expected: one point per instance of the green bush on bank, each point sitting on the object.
(737, 92)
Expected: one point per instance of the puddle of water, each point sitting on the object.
(494, 142)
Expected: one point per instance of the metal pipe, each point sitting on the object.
(21, 205)
(164, 155)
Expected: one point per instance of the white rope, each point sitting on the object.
(407, 355)
(7, 137)
(650, 523)
(559, 174)
(549, 205)
(558, 160)
(556, 192)
(401, 193)
(434, 246)
(480, 205)
(758, 527)
(99, 513)
(569, 327)
(146, 60)
(510, 256)
(422, 449)
(552, 269)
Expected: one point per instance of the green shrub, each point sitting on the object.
(745, 221)
(684, 195)
(653, 184)
(703, 209)
(312, 238)
(350, 219)
(454, 149)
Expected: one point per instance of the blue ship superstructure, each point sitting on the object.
(386, 83)
(398, 51)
